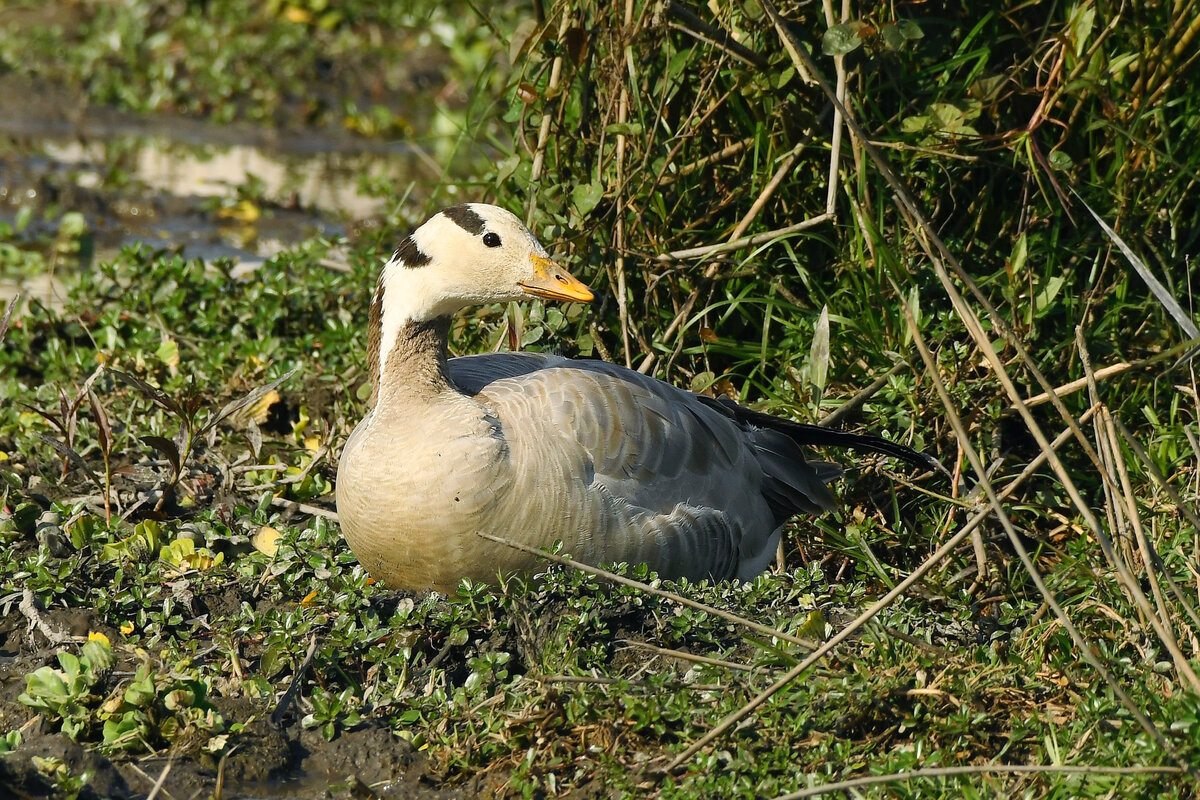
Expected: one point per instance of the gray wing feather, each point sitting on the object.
(685, 486)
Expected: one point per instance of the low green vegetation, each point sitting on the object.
(168, 438)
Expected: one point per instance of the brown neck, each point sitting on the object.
(416, 364)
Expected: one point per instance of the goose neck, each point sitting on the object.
(414, 366)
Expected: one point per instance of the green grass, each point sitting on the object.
(990, 122)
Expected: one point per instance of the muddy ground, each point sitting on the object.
(271, 759)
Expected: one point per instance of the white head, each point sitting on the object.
(462, 256)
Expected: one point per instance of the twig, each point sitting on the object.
(862, 396)
(317, 458)
(835, 149)
(162, 778)
(133, 765)
(605, 681)
(7, 318)
(313, 511)
(698, 29)
(28, 608)
(335, 264)
(940, 256)
(714, 662)
(622, 118)
(294, 686)
(630, 582)
(866, 616)
(539, 153)
(219, 790)
(767, 193)
(938, 253)
(737, 244)
(1081, 644)
(1183, 507)
(850, 784)
(925, 150)
(1076, 385)
(1161, 622)
(704, 161)
(839, 637)
(744, 242)
(1107, 439)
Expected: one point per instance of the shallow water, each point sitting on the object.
(180, 183)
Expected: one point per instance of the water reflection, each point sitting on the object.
(209, 190)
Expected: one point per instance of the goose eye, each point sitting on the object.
(491, 239)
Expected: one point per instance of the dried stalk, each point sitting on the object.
(630, 582)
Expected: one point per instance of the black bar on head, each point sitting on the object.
(465, 218)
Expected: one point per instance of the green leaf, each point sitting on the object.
(702, 381)
(1045, 296)
(140, 693)
(98, 654)
(10, 742)
(841, 39)
(910, 29)
(125, 731)
(1016, 261)
(506, 167)
(1060, 159)
(1080, 22)
(72, 225)
(893, 39)
(586, 196)
(818, 354)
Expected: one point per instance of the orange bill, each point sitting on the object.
(552, 282)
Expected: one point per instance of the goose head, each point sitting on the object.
(462, 256)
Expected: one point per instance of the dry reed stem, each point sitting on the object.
(936, 251)
(1164, 57)
(862, 619)
(835, 148)
(808, 644)
(860, 397)
(736, 241)
(1164, 627)
(702, 31)
(931, 242)
(623, 118)
(737, 716)
(162, 779)
(744, 242)
(969, 451)
(539, 153)
(713, 662)
(703, 161)
(1074, 386)
(1124, 509)
(738, 244)
(760, 202)
(8, 313)
(600, 680)
(1180, 504)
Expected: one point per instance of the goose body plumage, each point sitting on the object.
(535, 448)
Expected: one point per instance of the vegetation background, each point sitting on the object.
(983, 248)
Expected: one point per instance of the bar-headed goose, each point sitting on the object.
(536, 448)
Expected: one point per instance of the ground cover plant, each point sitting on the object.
(976, 237)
